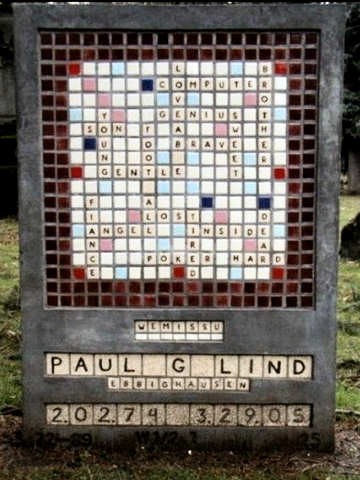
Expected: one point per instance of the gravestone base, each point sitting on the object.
(178, 189)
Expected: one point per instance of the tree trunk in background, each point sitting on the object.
(354, 172)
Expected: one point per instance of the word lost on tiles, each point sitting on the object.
(179, 181)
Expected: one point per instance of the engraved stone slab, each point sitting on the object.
(179, 177)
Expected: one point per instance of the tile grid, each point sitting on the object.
(180, 415)
(300, 218)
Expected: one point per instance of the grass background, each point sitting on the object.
(85, 466)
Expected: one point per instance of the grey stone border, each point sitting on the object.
(271, 331)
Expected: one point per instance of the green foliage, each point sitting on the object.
(351, 114)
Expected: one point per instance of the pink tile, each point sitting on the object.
(221, 129)
(221, 216)
(89, 84)
(104, 100)
(250, 99)
(118, 115)
(106, 245)
(134, 216)
(250, 245)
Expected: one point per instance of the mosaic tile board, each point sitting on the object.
(178, 188)
(186, 164)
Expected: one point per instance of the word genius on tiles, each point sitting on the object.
(183, 171)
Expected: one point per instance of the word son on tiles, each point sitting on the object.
(178, 189)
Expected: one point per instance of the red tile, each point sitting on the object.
(281, 68)
(74, 69)
(79, 273)
(179, 272)
(279, 173)
(76, 172)
(178, 300)
(277, 273)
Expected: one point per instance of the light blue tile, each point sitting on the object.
(192, 187)
(78, 230)
(279, 230)
(193, 99)
(121, 272)
(280, 113)
(236, 68)
(164, 244)
(105, 186)
(179, 230)
(249, 158)
(163, 99)
(236, 273)
(163, 186)
(118, 68)
(250, 188)
(75, 114)
(193, 158)
(163, 157)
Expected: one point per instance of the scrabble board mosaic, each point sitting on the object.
(179, 168)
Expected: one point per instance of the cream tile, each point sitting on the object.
(274, 415)
(129, 414)
(251, 366)
(57, 414)
(153, 414)
(106, 365)
(201, 415)
(81, 365)
(202, 365)
(178, 365)
(275, 366)
(130, 364)
(299, 415)
(300, 367)
(177, 415)
(81, 414)
(113, 383)
(226, 366)
(225, 415)
(58, 364)
(154, 364)
(105, 414)
(249, 415)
